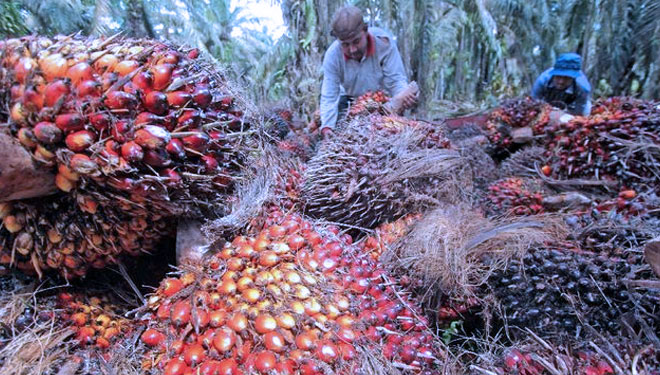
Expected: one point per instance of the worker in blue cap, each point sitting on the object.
(565, 86)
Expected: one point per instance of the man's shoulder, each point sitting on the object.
(384, 39)
(583, 82)
(333, 51)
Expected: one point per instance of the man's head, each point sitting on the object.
(567, 68)
(348, 26)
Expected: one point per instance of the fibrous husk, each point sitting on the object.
(380, 168)
(523, 163)
(444, 251)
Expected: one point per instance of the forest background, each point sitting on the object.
(466, 55)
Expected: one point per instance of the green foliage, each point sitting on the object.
(11, 21)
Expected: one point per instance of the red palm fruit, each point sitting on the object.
(105, 63)
(228, 367)
(89, 87)
(194, 355)
(153, 337)
(64, 183)
(175, 366)
(67, 172)
(156, 102)
(102, 343)
(122, 131)
(173, 178)
(70, 122)
(274, 341)
(189, 119)
(18, 113)
(148, 118)
(126, 67)
(628, 194)
(202, 96)
(23, 68)
(162, 76)
(108, 79)
(132, 152)
(17, 91)
(85, 334)
(120, 100)
(193, 53)
(82, 164)
(327, 351)
(225, 102)
(99, 120)
(170, 57)
(157, 158)
(47, 132)
(130, 88)
(178, 98)
(152, 137)
(175, 148)
(210, 367)
(82, 71)
(171, 286)
(27, 138)
(309, 367)
(210, 163)
(180, 313)
(224, 340)
(80, 140)
(198, 141)
(200, 319)
(33, 100)
(54, 66)
(143, 81)
(265, 361)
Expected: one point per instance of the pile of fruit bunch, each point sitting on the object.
(378, 169)
(292, 300)
(515, 195)
(554, 290)
(370, 102)
(618, 143)
(135, 130)
(512, 114)
(535, 362)
(96, 320)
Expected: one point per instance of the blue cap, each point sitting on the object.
(568, 65)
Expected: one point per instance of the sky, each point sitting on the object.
(268, 12)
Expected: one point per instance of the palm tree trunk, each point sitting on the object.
(137, 20)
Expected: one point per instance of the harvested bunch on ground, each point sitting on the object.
(618, 145)
(381, 168)
(513, 114)
(557, 290)
(444, 251)
(371, 102)
(292, 300)
(524, 163)
(516, 196)
(604, 355)
(137, 126)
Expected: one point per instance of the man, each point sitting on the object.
(361, 59)
(565, 86)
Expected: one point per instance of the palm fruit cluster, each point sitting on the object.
(512, 114)
(95, 320)
(617, 143)
(528, 363)
(386, 234)
(371, 102)
(555, 290)
(515, 195)
(292, 300)
(378, 169)
(137, 131)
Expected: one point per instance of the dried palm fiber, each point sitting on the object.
(137, 130)
(444, 252)
(380, 168)
(270, 180)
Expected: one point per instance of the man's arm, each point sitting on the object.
(539, 85)
(394, 73)
(329, 91)
(583, 101)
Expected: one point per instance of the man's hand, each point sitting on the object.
(405, 99)
(327, 132)
(409, 100)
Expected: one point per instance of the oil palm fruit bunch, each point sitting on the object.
(370, 102)
(610, 145)
(512, 114)
(95, 319)
(135, 130)
(555, 290)
(379, 169)
(515, 195)
(294, 299)
(386, 234)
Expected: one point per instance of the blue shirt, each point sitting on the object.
(579, 93)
